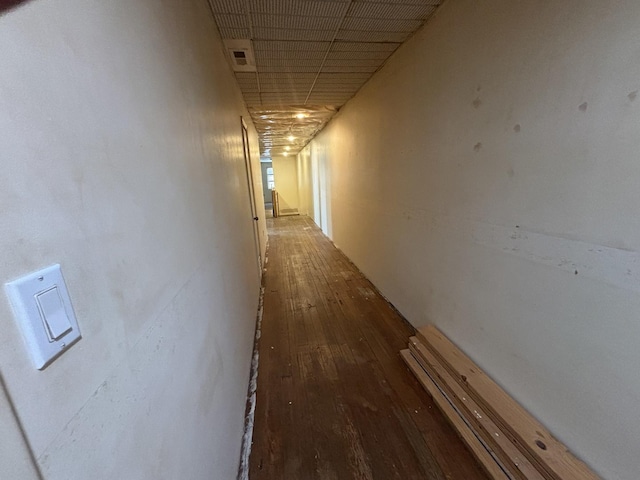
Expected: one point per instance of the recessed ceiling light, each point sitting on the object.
(300, 115)
(287, 148)
(285, 154)
(291, 138)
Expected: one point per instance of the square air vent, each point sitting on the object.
(241, 55)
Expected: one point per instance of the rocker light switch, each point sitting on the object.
(43, 311)
(53, 314)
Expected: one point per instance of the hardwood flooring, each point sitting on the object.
(334, 399)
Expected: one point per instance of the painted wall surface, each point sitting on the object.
(486, 180)
(305, 186)
(314, 179)
(122, 160)
(15, 459)
(285, 173)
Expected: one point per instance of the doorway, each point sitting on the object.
(252, 194)
(268, 185)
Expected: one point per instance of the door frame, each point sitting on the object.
(252, 193)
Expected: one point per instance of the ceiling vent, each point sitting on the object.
(241, 55)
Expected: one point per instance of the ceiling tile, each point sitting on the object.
(234, 32)
(231, 21)
(268, 45)
(312, 56)
(291, 83)
(249, 89)
(245, 75)
(397, 11)
(278, 64)
(337, 88)
(295, 22)
(330, 100)
(279, 76)
(349, 68)
(289, 68)
(289, 98)
(341, 79)
(372, 36)
(339, 46)
(406, 2)
(358, 55)
(289, 55)
(353, 62)
(226, 6)
(320, 8)
(381, 24)
(262, 33)
(252, 98)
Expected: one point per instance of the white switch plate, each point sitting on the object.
(43, 310)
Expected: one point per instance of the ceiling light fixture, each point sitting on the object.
(287, 148)
(291, 138)
(285, 154)
(300, 115)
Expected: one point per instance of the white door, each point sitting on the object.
(252, 195)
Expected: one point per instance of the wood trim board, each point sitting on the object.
(475, 445)
(550, 456)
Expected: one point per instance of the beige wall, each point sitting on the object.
(314, 184)
(286, 179)
(15, 459)
(305, 186)
(486, 179)
(122, 160)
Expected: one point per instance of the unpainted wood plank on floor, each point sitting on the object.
(334, 398)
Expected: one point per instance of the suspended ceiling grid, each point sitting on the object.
(311, 56)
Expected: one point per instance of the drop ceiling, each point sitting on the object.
(311, 56)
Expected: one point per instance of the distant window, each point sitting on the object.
(270, 181)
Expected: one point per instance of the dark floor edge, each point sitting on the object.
(247, 437)
(375, 287)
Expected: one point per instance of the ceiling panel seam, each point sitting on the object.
(335, 35)
(250, 24)
(319, 51)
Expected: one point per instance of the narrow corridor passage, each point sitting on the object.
(334, 399)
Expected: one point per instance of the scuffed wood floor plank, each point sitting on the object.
(334, 398)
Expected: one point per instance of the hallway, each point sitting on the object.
(334, 399)
(477, 161)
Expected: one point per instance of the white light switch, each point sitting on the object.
(43, 310)
(53, 313)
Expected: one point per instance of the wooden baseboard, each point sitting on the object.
(522, 447)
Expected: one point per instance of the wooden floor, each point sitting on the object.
(334, 399)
